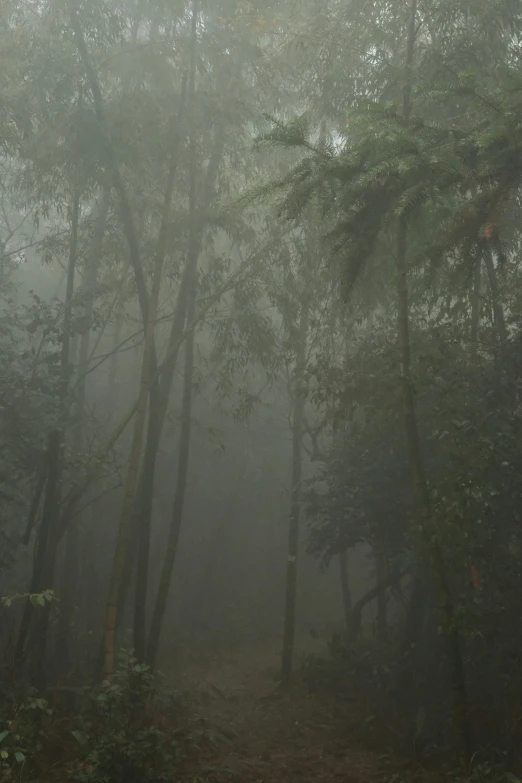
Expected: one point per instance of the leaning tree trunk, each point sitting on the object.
(433, 550)
(299, 399)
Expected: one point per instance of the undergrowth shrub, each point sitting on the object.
(118, 732)
(345, 664)
(23, 733)
(121, 735)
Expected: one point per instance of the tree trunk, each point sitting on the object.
(299, 399)
(71, 563)
(148, 381)
(499, 321)
(156, 423)
(112, 384)
(382, 618)
(345, 590)
(177, 510)
(35, 584)
(460, 700)
(393, 578)
(143, 506)
(157, 410)
(124, 526)
(191, 286)
(148, 377)
(476, 305)
(47, 543)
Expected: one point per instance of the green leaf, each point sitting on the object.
(80, 737)
(20, 757)
(3, 735)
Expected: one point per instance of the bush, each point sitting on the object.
(117, 733)
(22, 734)
(121, 739)
(345, 665)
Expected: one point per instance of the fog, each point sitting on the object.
(260, 329)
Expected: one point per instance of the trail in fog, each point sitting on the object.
(264, 733)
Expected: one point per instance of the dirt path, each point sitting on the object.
(254, 732)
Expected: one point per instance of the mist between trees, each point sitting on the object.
(260, 340)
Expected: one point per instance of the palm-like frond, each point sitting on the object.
(462, 178)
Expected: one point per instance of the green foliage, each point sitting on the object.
(349, 167)
(118, 740)
(23, 734)
(36, 599)
(121, 733)
(491, 773)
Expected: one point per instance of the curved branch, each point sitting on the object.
(395, 577)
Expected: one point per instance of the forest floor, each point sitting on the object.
(253, 731)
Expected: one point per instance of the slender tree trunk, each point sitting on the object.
(52, 471)
(41, 479)
(112, 384)
(496, 304)
(460, 700)
(124, 527)
(155, 427)
(157, 409)
(143, 526)
(191, 286)
(382, 619)
(345, 590)
(408, 677)
(149, 366)
(47, 543)
(148, 384)
(392, 579)
(129, 568)
(476, 305)
(71, 564)
(498, 324)
(177, 510)
(78, 491)
(143, 507)
(299, 399)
